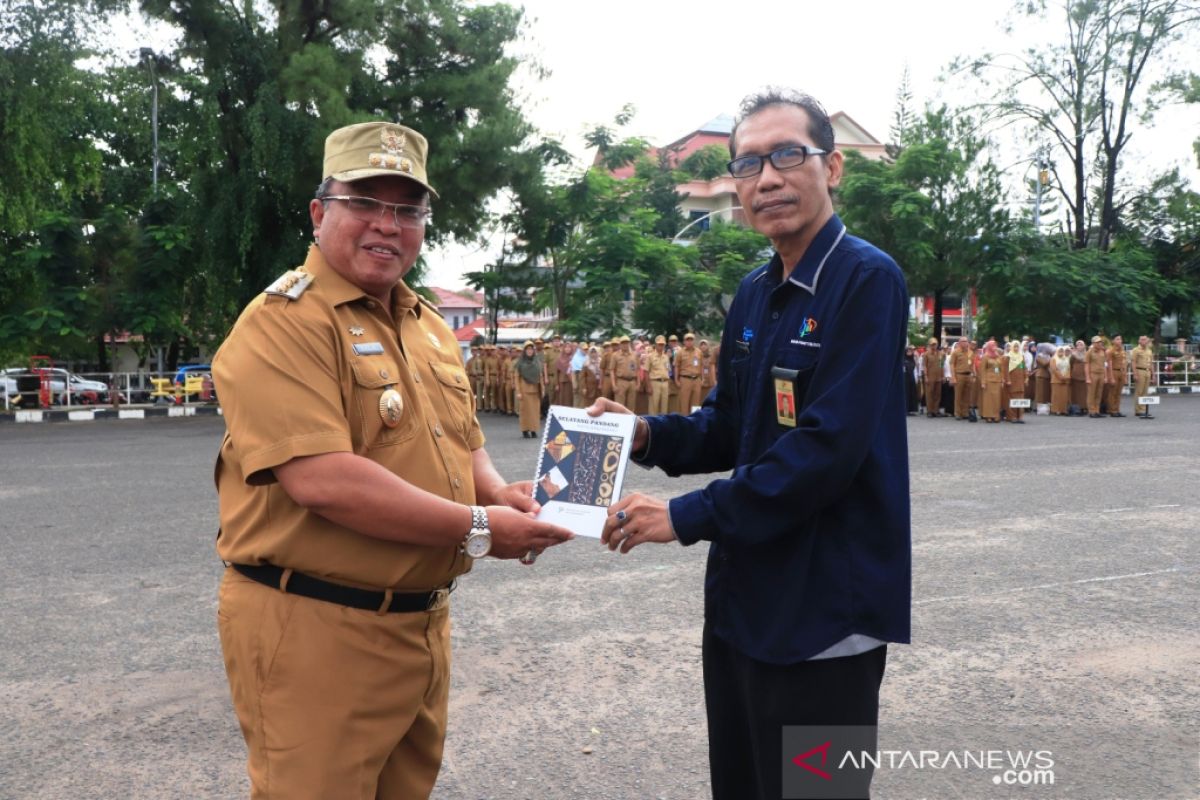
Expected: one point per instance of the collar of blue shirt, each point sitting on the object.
(808, 271)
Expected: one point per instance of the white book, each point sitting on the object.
(581, 467)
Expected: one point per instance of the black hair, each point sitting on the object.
(819, 126)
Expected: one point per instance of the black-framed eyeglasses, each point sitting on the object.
(790, 157)
(368, 209)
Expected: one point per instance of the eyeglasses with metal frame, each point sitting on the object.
(790, 157)
(368, 209)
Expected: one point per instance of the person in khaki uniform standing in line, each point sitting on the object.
(1142, 360)
(657, 366)
(475, 373)
(1016, 379)
(553, 351)
(625, 374)
(354, 488)
(1120, 378)
(688, 374)
(673, 406)
(606, 383)
(530, 372)
(962, 372)
(708, 369)
(1096, 375)
(932, 361)
(1079, 386)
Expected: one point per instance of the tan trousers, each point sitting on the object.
(625, 392)
(1141, 387)
(334, 701)
(933, 397)
(1095, 395)
(1112, 393)
(962, 394)
(659, 396)
(689, 394)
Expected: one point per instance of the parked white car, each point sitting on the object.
(82, 390)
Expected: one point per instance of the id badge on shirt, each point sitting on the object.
(785, 395)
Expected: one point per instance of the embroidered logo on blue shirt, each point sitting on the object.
(808, 327)
(747, 334)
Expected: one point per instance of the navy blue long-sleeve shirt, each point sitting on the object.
(810, 534)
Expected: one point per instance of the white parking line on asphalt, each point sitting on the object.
(1020, 589)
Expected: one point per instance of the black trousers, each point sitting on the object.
(749, 702)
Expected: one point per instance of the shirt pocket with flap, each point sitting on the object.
(373, 378)
(455, 390)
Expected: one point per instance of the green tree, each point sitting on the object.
(1088, 91)
(938, 208)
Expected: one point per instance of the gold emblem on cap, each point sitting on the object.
(391, 407)
(392, 157)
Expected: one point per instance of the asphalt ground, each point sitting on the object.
(1056, 585)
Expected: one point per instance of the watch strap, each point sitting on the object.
(479, 518)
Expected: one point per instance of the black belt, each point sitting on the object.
(317, 589)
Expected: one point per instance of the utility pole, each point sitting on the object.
(148, 58)
(1043, 179)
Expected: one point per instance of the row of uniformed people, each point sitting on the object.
(1074, 381)
(668, 377)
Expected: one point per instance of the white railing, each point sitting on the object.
(135, 388)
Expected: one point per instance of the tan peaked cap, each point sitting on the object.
(370, 149)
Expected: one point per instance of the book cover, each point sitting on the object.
(581, 467)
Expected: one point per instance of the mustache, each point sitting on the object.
(763, 202)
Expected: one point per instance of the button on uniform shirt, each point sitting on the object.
(305, 377)
(810, 533)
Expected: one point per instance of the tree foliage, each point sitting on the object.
(245, 100)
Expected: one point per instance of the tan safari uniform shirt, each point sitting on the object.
(657, 366)
(305, 376)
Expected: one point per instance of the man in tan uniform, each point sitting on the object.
(1096, 374)
(352, 482)
(689, 371)
(932, 361)
(708, 369)
(606, 384)
(657, 366)
(625, 374)
(475, 371)
(1120, 377)
(962, 375)
(1142, 359)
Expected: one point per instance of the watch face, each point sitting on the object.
(479, 544)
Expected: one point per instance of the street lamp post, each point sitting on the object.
(149, 59)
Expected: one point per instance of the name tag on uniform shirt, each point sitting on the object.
(368, 348)
(785, 395)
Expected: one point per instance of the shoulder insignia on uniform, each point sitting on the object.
(430, 306)
(291, 284)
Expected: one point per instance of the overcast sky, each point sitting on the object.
(682, 64)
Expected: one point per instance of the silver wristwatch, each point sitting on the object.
(479, 539)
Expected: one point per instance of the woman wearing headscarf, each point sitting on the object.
(910, 380)
(1015, 378)
(565, 391)
(591, 376)
(991, 378)
(1060, 382)
(529, 389)
(1078, 358)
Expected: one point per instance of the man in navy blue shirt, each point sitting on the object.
(809, 567)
